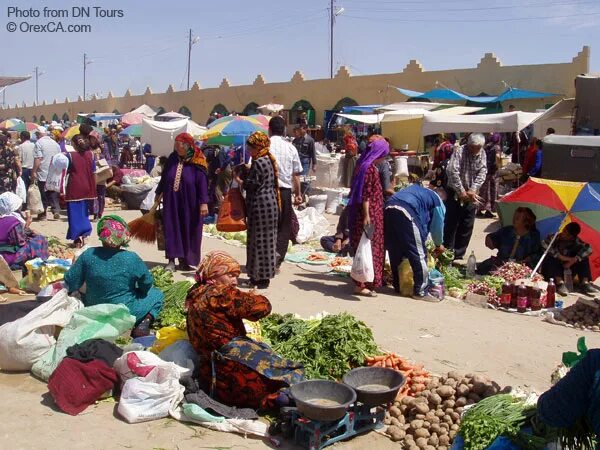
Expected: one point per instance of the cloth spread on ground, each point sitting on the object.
(195, 395)
(95, 349)
(75, 385)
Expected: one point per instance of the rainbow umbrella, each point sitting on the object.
(264, 120)
(233, 130)
(25, 126)
(133, 130)
(556, 203)
(72, 131)
(9, 123)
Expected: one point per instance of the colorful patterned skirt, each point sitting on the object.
(36, 247)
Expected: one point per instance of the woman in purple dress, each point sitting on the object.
(183, 188)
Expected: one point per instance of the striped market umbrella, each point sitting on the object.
(133, 130)
(9, 123)
(556, 203)
(72, 131)
(232, 130)
(25, 126)
(264, 120)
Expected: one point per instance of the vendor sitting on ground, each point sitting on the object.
(568, 252)
(18, 243)
(519, 242)
(113, 185)
(233, 368)
(114, 275)
(340, 242)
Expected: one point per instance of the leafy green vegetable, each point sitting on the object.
(172, 313)
(162, 278)
(453, 277)
(327, 348)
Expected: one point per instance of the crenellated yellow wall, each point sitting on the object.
(323, 94)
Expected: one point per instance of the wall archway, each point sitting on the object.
(219, 108)
(185, 111)
(34, 118)
(344, 102)
(55, 117)
(116, 111)
(250, 109)
(42, 118)
(160, 111)
(300, 107)
(65, 117)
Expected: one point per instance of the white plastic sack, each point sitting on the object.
(25, 340)
(59, 163)
(21, 190)
(318, 202)
(34, 200)
(401, 166)
(151, 397)
(104, 321)
(148, 202)
(362, 266)
(334, 199)
(139, 363)
(312, 225)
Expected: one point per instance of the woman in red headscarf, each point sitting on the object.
(183, 188)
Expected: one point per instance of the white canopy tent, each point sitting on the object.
(559, 116)
(434, 123)
(406, 114)
(271, 107)
(161, 135)
(144, 110)
(410, 105)
(172, 115)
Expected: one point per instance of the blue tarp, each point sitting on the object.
(450, 95)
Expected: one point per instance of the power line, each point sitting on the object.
(434, 20)
(489, 8)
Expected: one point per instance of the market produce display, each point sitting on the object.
(417, 378)
(240, 236)
(58, 249)
(327, 346)
(513, 271)
(162, 278)
(173, 313)
(430, 420)
(488, 285)
(584, 314)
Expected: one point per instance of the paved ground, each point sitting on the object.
(512, 349)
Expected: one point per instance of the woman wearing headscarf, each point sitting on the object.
(183, 188)
(81, 189)
(488, 191)
(263, 205)
(366, 210)
(9, 166)
(97, 209)
(150, 159)
(233, 368)
(57, 135)
(114, 275)
(18, 243)
(350, 157)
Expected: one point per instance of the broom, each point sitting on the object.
(144, 228)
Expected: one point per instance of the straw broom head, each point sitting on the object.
(144, 228)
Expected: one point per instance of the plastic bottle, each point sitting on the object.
(506, 295)
(535, 303)
(522, 298)
(514, 295)
(471, 265)
(568, 277)
(551, 294)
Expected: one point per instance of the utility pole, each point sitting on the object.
(85, 64)
(189, 58)
(331, 19)
(36, 85)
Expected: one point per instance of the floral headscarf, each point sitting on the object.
(262, 143)
(194, 153)
(216, 264)
(113, 231)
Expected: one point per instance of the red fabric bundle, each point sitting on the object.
(75, 385)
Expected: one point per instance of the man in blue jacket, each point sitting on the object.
(410, 215)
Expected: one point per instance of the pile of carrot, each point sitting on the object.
(417, 378)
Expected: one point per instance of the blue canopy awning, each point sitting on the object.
(362, 109)
(451, 95)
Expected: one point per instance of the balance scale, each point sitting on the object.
(315, 435)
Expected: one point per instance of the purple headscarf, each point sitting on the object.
(376, 149)
(495, 138)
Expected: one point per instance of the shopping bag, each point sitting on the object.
(27, 339)
(232, 214)
(406, 277)
(140, 363)
(21, 190)
(151, 397)
(436, 285)
(103, 171)
(362, 266)
(34, 200)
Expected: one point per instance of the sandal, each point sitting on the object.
(365, 293)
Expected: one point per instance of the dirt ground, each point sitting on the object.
(512, 349)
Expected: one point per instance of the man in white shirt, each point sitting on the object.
(25, 151)
(45, 149)
(289, 168)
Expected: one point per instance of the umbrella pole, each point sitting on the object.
(537, 266)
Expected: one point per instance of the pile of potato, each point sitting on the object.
(584, 315)
(60, 250)
(431, 419)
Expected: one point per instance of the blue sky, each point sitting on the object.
(239, 39)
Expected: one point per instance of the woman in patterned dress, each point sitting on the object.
(262, 209)
(233, 368)
(9, 166)
(366, 210)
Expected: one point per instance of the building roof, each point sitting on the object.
(7, 81)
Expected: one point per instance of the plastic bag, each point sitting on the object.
(311, 225)
(25, 340)
(21, 190)
(436, 285)
(58, 165)
(181, 353)
(151, 397)
(148, 201)
(167, 336)
(362, 266)
(42, 273)
(407, 281)
(141, 363)
(34, 200)
(103, 321)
